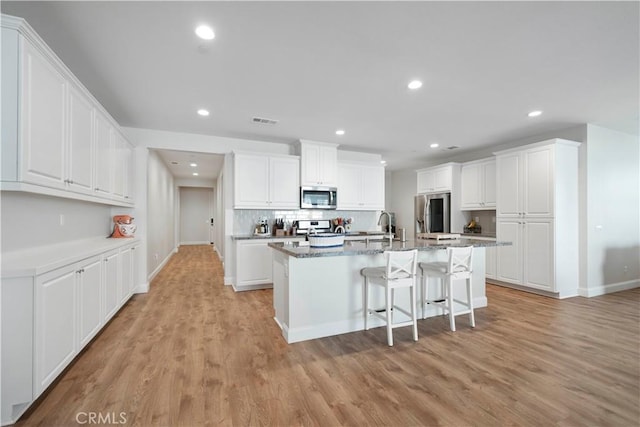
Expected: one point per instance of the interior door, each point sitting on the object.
(196, 215)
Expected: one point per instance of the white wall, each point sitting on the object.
(611, 233)
(161, 204)
(196, 209)
(30, 220)
(404, 187)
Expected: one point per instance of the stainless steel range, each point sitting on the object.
(303, 226)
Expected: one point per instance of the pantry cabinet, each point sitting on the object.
(266, 182)
(360, 186)
(537, 199)
(437, 179)
(89, 285)
(478, 185)
(112, 284)
(318, 164)
(56, 138)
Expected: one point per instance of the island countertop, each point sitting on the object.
(372, 247)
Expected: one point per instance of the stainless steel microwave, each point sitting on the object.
(318, 198)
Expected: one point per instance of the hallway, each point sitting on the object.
(192, 352)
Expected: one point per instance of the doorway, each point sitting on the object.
(196, 216)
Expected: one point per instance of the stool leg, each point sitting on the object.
(472, 319)
(366, 303)
(452, 318)
(414, 315)
(423, 282)
(389, 328)
(393, 303)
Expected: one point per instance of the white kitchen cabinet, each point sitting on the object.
(43, 111)
(360, 186)
(81, 142)
(254, 263)
(318, 164)
(478, 185)
(126, 276)
(537, 199)
(437, 179)
(89, 286)
(491, 262)
(55, 343)
(56, 138)
(112, 283)
(525, 182)
(53, 304)
(266, 182)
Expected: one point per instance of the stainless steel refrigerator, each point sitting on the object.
(433, 213)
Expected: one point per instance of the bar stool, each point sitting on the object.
(400, 272)
(459, 267)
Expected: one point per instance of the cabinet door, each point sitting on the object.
(539, 182)
(120, 151)
(254, 263)
(328, 166)
(80, 158)
(55, 325)
(134, 270)
(310, 164)
(508, 179)
(90, 299)
(126, 268)
(489, 179)
(349, 186)
(111, 285)
(129, 184)
(426, 181)
(538, 254)
(251, 181)
(104, 155)
(43, 120)
(491, 262)
(372, 187)
(284, 183)
(510, 257)
(443, 179)
(470, 185)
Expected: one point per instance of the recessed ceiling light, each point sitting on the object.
(193, 165)
(383, 162)
(534, 113)
(340, 132)
(203, 112)
(415, 84)
(195, 174)
(434, 145)
(205, 32)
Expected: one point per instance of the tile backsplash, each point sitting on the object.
(486, 219)
(245, 220)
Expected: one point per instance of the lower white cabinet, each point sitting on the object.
(254, 263)
(50, 313)
(529, 261)
(55, 343)
(491, 260)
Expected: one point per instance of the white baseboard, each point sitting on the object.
(142, 288)
(608, 289)
(252, 287)
(164, 262)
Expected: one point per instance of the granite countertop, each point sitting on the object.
(485, 235)
(374, 247)
(363, 234)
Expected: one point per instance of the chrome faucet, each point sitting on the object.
(390, 235)
(339, 229)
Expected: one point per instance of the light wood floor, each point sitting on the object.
(192, 352)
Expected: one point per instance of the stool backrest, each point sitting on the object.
(460, 261)
(401, 264)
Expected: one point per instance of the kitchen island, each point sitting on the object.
(318, 292)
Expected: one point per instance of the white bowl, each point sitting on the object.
(326, 240)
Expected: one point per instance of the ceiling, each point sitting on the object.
(180, 164)
(316, 67)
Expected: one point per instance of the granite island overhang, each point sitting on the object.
(319, 292)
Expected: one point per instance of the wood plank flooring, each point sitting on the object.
(192, 352)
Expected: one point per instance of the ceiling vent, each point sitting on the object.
(453, 147)
(263, 121)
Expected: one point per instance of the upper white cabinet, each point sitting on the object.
(318, 164)
(437, 179)
(478, 185)
(537, 210)
(266, 182)
(56, 138)
(360, 186)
